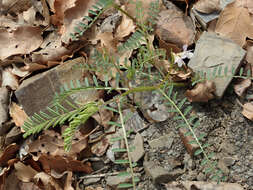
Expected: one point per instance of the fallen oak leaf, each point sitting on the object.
(248, 110)
(23, 40)
(24, 173)
(235, 23)
(208, 6)
(242, 86)
(202, 92)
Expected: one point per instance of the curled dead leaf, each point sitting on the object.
(9, 79)
(24, 173)
(242, 86)
(125, 28)
(208, 6)
(235, 23)
(248, 110)
(46, 181)
(18, 115)
(180, 75)
(23, 40)
(202, 92)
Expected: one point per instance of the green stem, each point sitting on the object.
(126, 143)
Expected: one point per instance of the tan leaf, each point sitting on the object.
(68, 14)
(61, 164)
(68, 182)
(53, 51)
(248, 110)
(242, 86)
(9, 79)
(24, 173)
(23, 40)
(18, 115)
(131, 7)
(207, 6)
(235, 23)
(47, 181)
(100, 147)
(108, 41)
(202, 92)
(8, 153)
(245, 3)
(125, 28)
(175, 28)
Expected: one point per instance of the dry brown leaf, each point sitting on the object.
(8, 153)
(19, 72)
(131, 7)
(28, 186)
(207, 6)
(53, 51)
(108, 41)
(235, 23)
(61, 164)
(29, 15)
(9, 79)
(100, 147)
(202, 92)
(176, 28)
(248, 110)
(48, 182)
(180, 75)
(68, 14)
(242, 86)
(18, 115)
(249, 56)
(125, 28)
(52, 144)
(23, 40)
(16, 6)
(246, 4)
(68, 182)
(103, 117)
(24, 173)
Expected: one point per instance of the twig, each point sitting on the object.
(99, 175)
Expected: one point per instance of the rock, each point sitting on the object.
(213, 51)
(204, 18)
(159, 174)
(6, 127)
(4, 102)
(228, 161)
(91, 181)
(191, 148)
(35, 93)
(138, 151)
(114, 181)
(109, 24)
(152, 107)
(190, 185)
(13, 135)
(176, 28)
(223, 167)
(201, 177)
(162, 141)
(135, 122)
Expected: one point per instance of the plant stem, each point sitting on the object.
(126, 143)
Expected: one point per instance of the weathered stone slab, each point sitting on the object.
(213, 51)
(35, 93)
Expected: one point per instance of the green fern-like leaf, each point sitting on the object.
(97, 9)
(220, 72)
(83, 115)
(133, 42)
(191, 124)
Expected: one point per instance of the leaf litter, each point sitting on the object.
(36, 36)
